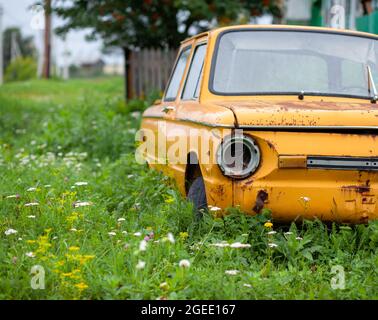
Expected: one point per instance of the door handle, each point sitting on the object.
(166, 109)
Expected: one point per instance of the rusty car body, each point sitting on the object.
(305, 100)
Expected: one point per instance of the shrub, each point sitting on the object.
(21, 69)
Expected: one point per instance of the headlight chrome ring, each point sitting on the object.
(238, 156)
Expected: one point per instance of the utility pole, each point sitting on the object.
(15, 48)
(1, 45)
(47, 41)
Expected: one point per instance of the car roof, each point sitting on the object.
(217, 31)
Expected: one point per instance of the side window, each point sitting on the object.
(174, 84)
(193, 80)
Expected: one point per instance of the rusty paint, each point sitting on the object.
(262, 196)
(218, 192)
(249, 182)
(270, 144)
(359, 189)
(296, 106)
(291, 113)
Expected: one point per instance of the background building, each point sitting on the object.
(361, 15)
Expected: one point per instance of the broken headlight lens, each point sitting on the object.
(238, 156)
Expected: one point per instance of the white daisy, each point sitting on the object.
(184, 263)
(143, 245)
(112, 233)
(121, 219)
(215, 209)
(220, 244)
(82, 204)
(240, 245)
(272, 245)
(247, 285)
(31, 189)
(299, 238)
(31, 217)
(81, 183)
(232, 272)
(10, 231)
(141, 264)
(31, 204)
(170, 237)
(30, 254)
(12, 196)
(164, 286)
(137, 234)
(271, 232)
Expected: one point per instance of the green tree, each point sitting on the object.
(130, 24)
(25, 45)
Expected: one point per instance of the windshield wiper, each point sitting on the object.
(371, 86)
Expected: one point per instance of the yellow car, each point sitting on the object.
(277, 117)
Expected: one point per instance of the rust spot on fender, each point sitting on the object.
(359, 189)
(262, 196)
(218, 191)
(270, 144)
(249, 182)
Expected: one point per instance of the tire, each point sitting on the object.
(197, 195)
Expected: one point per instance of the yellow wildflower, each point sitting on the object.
(73, 248)
(68, 274)
(169, 200)
(81, 286)
(268, 224)
(184, 235)
(59, 263)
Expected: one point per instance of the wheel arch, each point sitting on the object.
(192, 171)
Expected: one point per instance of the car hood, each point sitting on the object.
(292, 114)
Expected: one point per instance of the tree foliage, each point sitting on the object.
(155, 23)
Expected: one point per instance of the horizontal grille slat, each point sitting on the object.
(343, 163)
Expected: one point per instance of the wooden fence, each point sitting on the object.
(150, 70)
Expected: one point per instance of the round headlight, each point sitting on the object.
(238, 156)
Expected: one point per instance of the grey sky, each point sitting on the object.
(18, 13)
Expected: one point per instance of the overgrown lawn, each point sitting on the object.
(74, 201)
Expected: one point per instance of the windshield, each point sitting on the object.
(251, 62)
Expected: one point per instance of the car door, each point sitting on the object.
(157, 120)
(180, 130)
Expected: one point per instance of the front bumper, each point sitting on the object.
(329, 195)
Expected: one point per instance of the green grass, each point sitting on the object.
(55, 134)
